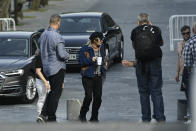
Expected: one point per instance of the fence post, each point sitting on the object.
(6, 24)
(73, 109)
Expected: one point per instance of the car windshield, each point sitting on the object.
(80, 25)
(13, 47)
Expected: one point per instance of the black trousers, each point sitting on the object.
(52, 99)
(93, 91)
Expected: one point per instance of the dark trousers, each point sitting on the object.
(93, 91)
(186, 79)
(149, 79)
(52, 99)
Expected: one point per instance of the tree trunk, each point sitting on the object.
(44, 2)
(35, 4)
(4, 10)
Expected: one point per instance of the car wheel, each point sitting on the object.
(120, 56)
(107, 58)
(31, 91)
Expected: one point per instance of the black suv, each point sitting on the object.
(17, 73)
(77, 27)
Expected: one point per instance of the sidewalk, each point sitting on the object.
(34, 20)
(77, 126)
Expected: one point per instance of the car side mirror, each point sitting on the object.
(116, 28)
(41, 30)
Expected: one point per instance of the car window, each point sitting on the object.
(80, 25)
(34, 45)
(13, 47)
(105, 25)
(109, 21)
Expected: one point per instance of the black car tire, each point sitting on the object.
(120, 56)
(30, 91)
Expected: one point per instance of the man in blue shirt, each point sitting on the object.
(53, 57)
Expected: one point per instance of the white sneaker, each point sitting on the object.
(188, 121)
(41, 119)
(153, 121)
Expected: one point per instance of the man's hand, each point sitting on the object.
(47, 85)
(128, 63)
(177, 78)
(184, 86)
(125, 63)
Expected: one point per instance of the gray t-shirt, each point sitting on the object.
(97, 68)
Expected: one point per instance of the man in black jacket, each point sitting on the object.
(146, 41)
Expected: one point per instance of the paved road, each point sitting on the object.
(120, 94)
(35, 20)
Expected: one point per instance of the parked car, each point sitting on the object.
(17, 73)
(77, 27)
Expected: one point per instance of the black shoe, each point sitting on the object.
(52, 119)
(146, 121)
(94, 120)
(82, 119)
(41, 119)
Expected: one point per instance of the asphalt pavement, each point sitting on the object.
(120, 93)
(34, 20)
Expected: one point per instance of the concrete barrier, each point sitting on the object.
(181, 109)
(73, 109)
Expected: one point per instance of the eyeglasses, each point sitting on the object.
(186, 33)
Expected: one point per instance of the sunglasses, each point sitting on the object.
(186, 33)
(97, 39)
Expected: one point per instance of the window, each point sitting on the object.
(13, 47)
(34, 45)
(109, 20)
(105, 25)
(80, 25)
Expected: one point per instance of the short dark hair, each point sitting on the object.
(54, 19)
(95, 35)
(185, 27)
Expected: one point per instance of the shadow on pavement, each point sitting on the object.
(11, 101)
(73, 70)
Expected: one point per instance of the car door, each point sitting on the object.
(110, 35)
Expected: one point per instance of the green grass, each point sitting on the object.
(51, 5)
(20, 24)
(56, 0)
(39, 10)
(29, 17)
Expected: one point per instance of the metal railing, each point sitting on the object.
(175, 24)
(8, 24)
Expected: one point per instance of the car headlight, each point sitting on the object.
(18, 72)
